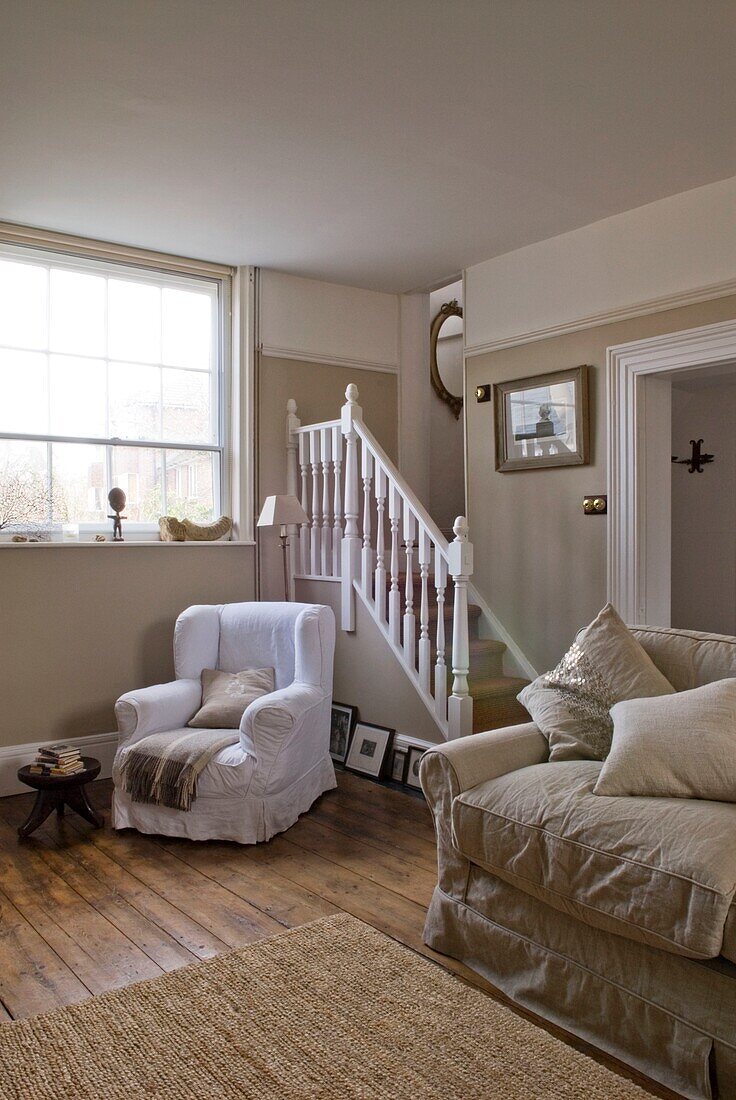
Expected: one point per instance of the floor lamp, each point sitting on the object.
(282, 512)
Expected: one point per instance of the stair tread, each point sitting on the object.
(497, 685)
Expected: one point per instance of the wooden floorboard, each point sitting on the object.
(85, 910)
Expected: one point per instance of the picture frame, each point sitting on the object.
(342, 722)
(399, 758)
(369, 749)
(412, 767)
(543, 420)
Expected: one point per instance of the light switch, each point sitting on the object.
(595, 505)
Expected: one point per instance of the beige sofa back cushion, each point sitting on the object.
(688, 658)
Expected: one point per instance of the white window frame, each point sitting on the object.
(235, 297)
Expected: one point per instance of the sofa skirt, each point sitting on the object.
(242, 818)
(670, 1017)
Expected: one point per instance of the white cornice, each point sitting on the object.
(606, 317)
(328, 360)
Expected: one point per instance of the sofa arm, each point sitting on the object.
(451, 768)
(156, 708)
(272, 723)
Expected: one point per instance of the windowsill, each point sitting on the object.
(128, 542)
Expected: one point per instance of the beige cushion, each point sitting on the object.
(676, 746)
(658, 870)
(571, 704)
(226, 695)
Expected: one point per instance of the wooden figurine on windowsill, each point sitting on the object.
(116, 499)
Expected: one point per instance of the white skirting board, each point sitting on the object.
(100, 745)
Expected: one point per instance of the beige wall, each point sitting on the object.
(82, 624)
(319, 391)
(539, 561)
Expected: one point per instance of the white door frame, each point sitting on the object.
(639, 536)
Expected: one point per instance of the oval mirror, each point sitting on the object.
(446, 355)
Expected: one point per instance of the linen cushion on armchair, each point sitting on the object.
(281, 762)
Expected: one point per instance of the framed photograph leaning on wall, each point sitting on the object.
(341, 726)
(542, 421)
(369, 748)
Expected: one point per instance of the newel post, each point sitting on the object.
(351, 541)
(460, 703)
(292, 444)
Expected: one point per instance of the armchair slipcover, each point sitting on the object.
(281, 763)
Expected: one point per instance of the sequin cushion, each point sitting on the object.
(571, 704)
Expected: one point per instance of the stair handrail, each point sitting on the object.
(356, 554)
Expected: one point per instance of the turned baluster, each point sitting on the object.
(351, 542)
(292, 424)
(440, 667)
(315, 536)
(304, 532)
(425, 645)
(337, 500)
(410, 640)
(394, 596)
(366, 571)
(380, 594)
(326, 547)
(460, 703)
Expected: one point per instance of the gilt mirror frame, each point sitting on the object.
(455, 401)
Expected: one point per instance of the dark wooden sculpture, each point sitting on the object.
(116, 499)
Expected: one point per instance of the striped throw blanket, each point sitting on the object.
(163, 770)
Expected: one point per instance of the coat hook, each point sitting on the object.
(697, 459)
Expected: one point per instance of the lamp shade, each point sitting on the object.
(281, 511)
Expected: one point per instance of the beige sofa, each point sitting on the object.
(612, 917)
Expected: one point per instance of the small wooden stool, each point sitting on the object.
(57, 791)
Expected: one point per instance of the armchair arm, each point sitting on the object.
(156, 708)
(275, 721)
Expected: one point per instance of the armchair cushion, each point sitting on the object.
(658, 870)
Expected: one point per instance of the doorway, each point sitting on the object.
(642, 565)
(703, 494)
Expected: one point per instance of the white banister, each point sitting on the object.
(292, 446)
(339, 543)
(425, 645)
(366, 556)
(337, 499)
(304, 532)
(326, 539)
(394, 596)
(460, 563)
(410, 637)
(351, 542)
(315, 535)
(380, 586)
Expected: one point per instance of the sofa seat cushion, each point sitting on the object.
(228, 773)
(658, 870)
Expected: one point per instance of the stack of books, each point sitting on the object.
(59, 759)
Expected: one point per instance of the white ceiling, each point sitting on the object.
(381, 143)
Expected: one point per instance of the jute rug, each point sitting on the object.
(333, 1010)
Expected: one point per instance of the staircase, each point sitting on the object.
(492, 691)
(388, 552)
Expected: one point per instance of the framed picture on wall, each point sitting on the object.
(542, 421)
(369, 748)
(341, 726)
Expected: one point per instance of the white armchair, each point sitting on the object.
(258, 787)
